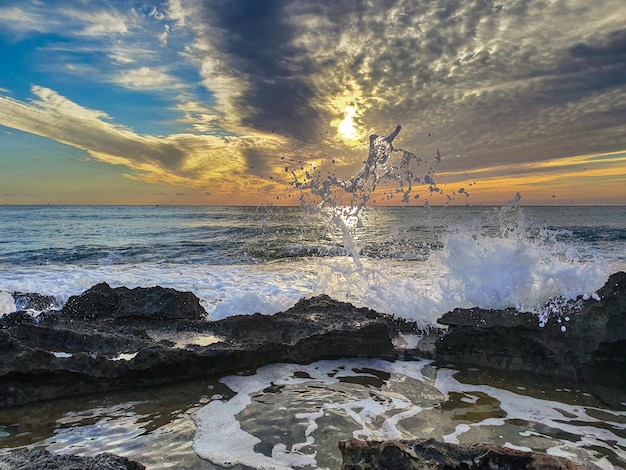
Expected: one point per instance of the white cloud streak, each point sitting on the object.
(188, 159)
(147, 78)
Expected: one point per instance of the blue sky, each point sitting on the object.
(203, 101)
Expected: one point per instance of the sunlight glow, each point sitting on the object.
(346, 127)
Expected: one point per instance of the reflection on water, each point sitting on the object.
(152, 426)
(288, 415)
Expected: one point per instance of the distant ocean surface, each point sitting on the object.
(415, 262)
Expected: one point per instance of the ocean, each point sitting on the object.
(413, 262)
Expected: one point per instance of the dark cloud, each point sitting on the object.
(258, 44)
(258, 159)
(580, 71)
(602, 64)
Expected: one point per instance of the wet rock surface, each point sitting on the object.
(111, 339)
(430, 454)
(33, 301)
(582, 340)
(40, 459)
(160, 303)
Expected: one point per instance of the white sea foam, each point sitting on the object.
(513, 271)
(7, 304)
(392, 411)
(124, 356)
(573, 419)
(469, 271)
(61, 354)
(219, 432)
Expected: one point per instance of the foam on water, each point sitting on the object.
(7, 304)
(218, 427)
(389, 400)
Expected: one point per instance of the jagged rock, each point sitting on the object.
(41, 459)
(327, 326)
(75, 351)
(432, 455)
(16, 318)
(68, 356)
(583, 340)
(102, 302)
(33, 301)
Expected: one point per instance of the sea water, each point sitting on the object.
(292, 416)
(414, 262)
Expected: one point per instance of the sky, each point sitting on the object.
(224, 101)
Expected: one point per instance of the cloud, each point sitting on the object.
(22, 18)
(176, 12)
(489, 84)
(472, 72)
(21, 21)
(84, 36)
(179, 158)
(52, 102)
(147, 78)
(249, 61)
(97, 22)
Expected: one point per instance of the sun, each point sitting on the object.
(346, 127)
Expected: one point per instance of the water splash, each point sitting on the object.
(504, 261)
(344, 200)
(509, 262)
(7, 304)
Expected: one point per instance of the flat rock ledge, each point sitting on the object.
(119, 338)
(432, 455)
(41, 459)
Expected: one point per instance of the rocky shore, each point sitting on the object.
(581, 341)
(40, 459)
(118, 338)
(112, 339)
(432, 455)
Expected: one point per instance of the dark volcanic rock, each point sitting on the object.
(584, 340)
(65, 356)
(102, 301)
(318, 327)
(33, 301)
(41, 459)
(30, 308)
(16, 318)
(430, 454)
(166, 338)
